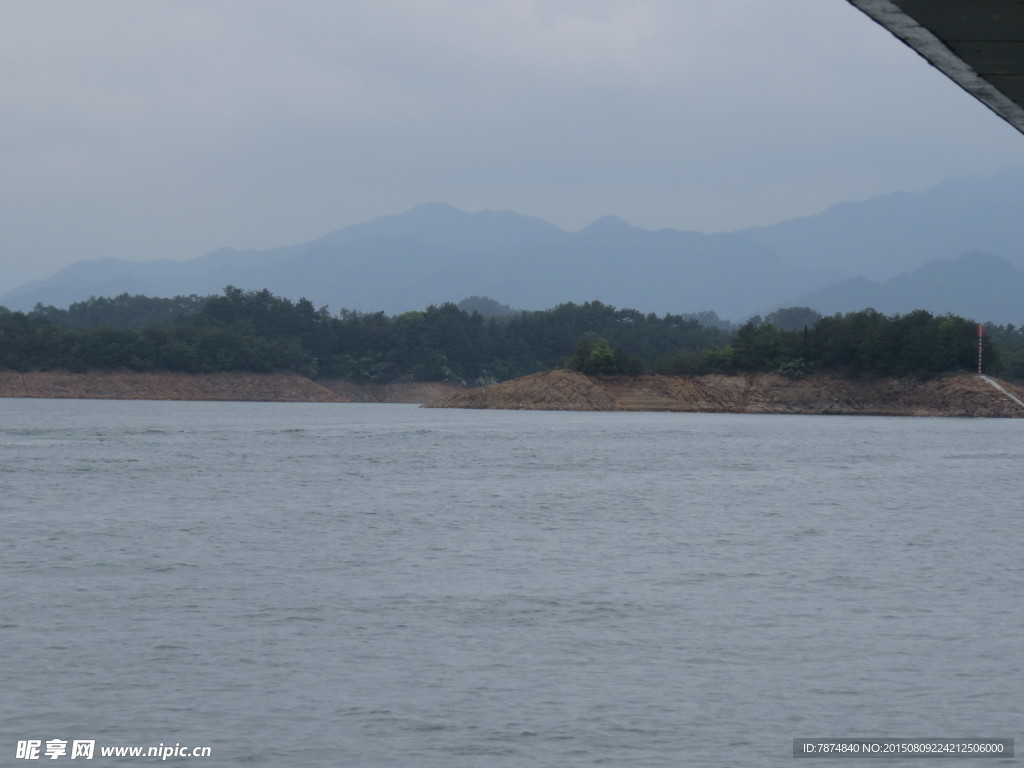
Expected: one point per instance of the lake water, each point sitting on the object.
(383, 585)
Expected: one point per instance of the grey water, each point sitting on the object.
(383, 585)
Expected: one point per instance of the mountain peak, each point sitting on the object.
(434, 209)
(607, 225)
(445, 225)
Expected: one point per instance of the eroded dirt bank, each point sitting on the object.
(131, 385)
(959, 395)
(956, 395)
(235, 385)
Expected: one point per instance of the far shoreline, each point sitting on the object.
(950, 395)
(229, 386)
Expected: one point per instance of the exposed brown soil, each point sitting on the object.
(131, 385)
(960, 395)
(236, 385)
(956, 395)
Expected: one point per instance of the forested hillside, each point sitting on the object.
(258, 331)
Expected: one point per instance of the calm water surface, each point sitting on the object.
(381, 585)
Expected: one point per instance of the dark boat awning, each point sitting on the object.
(979, 44)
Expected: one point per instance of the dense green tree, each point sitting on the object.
(793, 318)
(594, 355)
(258, 331)
(123, 311)
(1004, 350)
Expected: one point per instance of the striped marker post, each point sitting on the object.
(981, 333)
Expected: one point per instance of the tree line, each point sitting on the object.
(855, 344)
(259, 331)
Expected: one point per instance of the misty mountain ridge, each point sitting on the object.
(436, 252)
(961, 286)
(443, 224)
(889, 234)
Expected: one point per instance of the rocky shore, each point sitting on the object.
(133, 385)
(954, 395)
(236, 385)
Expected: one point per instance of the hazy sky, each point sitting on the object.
(167, 129)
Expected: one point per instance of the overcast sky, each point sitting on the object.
(167, 129)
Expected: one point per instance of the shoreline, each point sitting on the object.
(235, 386)
(953, 395)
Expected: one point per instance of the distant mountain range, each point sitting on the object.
(894, 252)
(977, 285)
(887, 235)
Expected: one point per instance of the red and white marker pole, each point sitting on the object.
(981, 333)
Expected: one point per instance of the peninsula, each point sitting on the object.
(958, 394)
